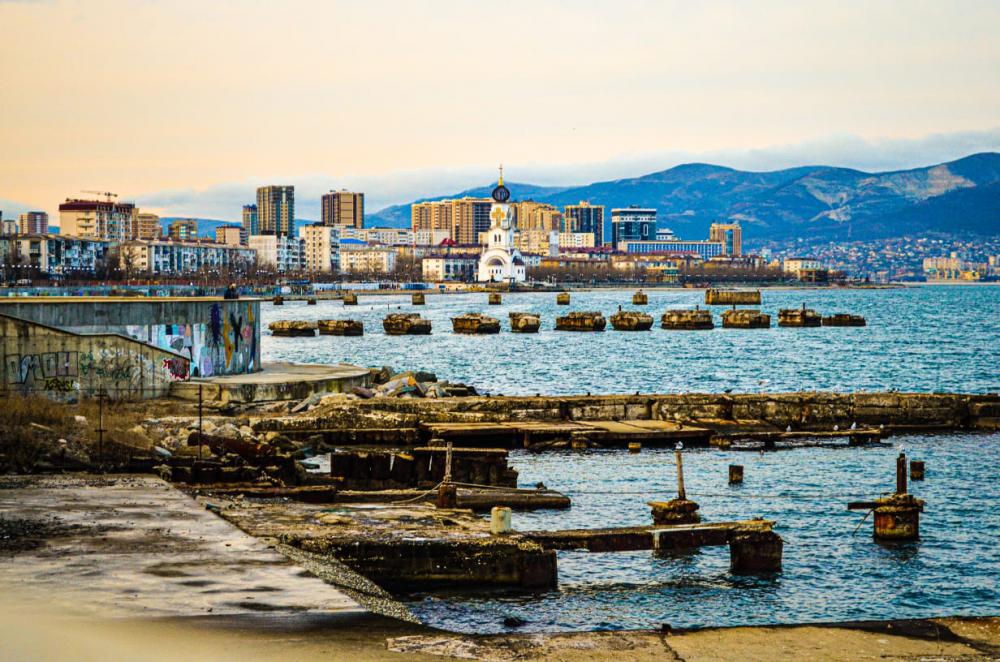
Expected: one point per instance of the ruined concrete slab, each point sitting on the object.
(129, 546)
(275, 382)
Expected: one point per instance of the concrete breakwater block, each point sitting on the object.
(581, 321)
(745, 319)
(417, 299)
(495, 299)
(640, 298)
(714, 297)
(292, 328)
(696, 319)
(525, 322)
(350, 299)
(475, 323)
(341, 327)
(406, 324)
(844, 319)
(562, 299)
(799, 318)
(627, 320)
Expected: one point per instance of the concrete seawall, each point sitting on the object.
(802, 411)
(62, 365)
(217, 336)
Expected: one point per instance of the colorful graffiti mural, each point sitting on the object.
(225, 344)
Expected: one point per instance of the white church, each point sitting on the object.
(501, 262)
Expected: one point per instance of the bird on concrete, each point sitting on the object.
(854, 425)
(789, 428)
(836, 428)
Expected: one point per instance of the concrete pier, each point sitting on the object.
(799, 318)
(417, 299)
(350, 298)
(495, 299)
(475, 323)
(753, 552)
(406, 324)
(640, 298)
(745, 319)
(630, 320)
(696, 319)
(292, 328)
(715, 297)
(844, 319)
(581, 321)
(525, 322)
(341, 327)
(562, 299)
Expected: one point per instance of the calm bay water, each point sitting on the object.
(917, 339)
(828, 573)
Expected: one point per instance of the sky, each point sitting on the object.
(187, 106)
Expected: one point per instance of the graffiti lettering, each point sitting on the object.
(59, 385)
(177, 368)
(31, 368)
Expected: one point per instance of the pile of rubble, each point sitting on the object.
(411, 384)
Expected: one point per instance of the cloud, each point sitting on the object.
(224, 201)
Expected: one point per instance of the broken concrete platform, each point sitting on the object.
(128, 546)
(275, 382)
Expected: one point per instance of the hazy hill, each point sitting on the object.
(816, 201)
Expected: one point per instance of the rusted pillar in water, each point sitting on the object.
(916, 469)
(755, 551)
(679, 510)
(735, 474)
(897, 517)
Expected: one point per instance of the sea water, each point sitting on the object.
(918, 339)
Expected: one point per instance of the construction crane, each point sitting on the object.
(107, 194)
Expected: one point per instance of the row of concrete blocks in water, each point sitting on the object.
(476, 323)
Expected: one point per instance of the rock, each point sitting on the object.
(246, 431)
(383, 374)
(227, 430)
(311, 401)
(80, 420)
(138, 436)
(362, 392)
(514, 622)
(160, 451)
(424, 376)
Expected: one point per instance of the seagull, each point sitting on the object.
(789, 428)
(680, 445)
(836, 428)
(854, 425)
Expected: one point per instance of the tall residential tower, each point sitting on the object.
(276, 210)
(344, 208)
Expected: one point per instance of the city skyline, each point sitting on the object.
(845, 84)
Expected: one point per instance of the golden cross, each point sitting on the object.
(497, 214)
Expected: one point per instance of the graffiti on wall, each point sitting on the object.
(36, 370)
(225, 344)
(176, 368)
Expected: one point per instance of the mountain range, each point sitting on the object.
(816, 202)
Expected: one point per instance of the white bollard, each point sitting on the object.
(500, 520)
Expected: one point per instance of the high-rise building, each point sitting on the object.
(146, 226)
(632, 223)
(585, 217)
(533, 215)
(183, 229)
(731, 236)
(34, 222)
(97, 219)
(250, 220)
(344, 208)
(276, 210)
(470, 217)
(321, 248)
(431, 216)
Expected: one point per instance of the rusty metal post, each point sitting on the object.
(447, 464)
(735, 474)
(100, 427)
(901, 473)
(681, 494)
(200, 433)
